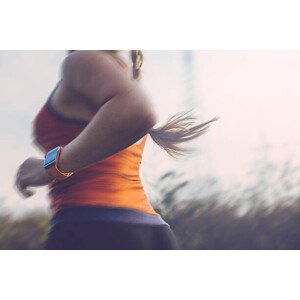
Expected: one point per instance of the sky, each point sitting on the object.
(255, 94)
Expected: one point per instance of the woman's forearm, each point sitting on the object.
(118, 124)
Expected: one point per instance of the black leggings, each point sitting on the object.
(100, 235)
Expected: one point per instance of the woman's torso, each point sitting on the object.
(113, 182)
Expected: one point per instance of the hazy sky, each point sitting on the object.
(255, 94)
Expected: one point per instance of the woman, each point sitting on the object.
(92, 130)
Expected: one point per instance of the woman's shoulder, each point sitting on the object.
(94, 75)
(88, 62)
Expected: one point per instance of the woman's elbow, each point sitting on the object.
(149, 119)
(142, 112)
(142, 122)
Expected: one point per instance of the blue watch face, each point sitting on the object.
(51, 158)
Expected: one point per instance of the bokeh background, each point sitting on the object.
(239, 189)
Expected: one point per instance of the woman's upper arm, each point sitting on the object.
(96, 77)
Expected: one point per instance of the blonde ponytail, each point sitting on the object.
(137, 62)
(180, 128)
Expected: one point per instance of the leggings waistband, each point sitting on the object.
(88, 213)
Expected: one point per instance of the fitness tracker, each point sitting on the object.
(51, 164)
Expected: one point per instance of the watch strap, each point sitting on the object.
(53, 168)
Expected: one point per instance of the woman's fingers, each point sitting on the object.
(26, 193)
(22, 186)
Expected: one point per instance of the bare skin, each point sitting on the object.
(96, 89)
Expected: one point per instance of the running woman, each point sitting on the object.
(92, 131)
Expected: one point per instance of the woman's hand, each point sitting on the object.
(31, 173)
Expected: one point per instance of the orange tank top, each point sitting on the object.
(112, 182)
